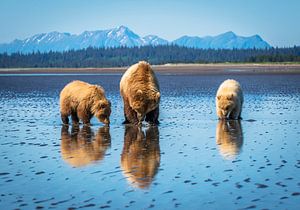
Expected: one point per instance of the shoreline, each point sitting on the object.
(222, 68)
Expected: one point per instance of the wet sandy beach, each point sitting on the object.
(190, 161)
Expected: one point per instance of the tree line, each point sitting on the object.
(125, 56)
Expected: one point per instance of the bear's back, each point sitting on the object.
(229, 87)
(139, 75)
(81, 90)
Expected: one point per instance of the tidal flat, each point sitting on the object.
(190, 161)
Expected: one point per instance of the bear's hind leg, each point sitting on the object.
(126, 121)
(85, 117)
(75, 119)
(64, 118)
(152, 117)
(129, 113)
(83, 114)
(65, 111)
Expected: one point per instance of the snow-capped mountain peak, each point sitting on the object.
(154, 40)
(123, 36)
(122, 31)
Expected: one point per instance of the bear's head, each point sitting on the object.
(102, 109)
(226, 103)
(144, 102)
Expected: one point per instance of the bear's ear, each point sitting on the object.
(157, 96)
(230, 97)
(139, 95)
(102, 104)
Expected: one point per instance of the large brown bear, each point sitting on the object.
(82, 100)
(140, 92)
(229, 100)
(140, 157)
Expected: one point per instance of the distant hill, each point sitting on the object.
(123, 36)
(228, 40)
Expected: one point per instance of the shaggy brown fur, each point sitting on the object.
(229, 137)
(82, 100)
(141, 155)
(140, 92)
(81, 147)
(229, 100)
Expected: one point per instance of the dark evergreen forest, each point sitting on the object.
(124, 56)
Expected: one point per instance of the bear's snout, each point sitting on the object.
(106, 121)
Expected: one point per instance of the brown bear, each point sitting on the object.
(140, 92)
(229, 100)
(82, 100)
(81, 147)
(229, 138)
(140, 157)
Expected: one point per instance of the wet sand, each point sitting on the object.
(172, 69)
(190, 161)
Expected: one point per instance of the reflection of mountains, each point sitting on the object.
(229, 137)
(82, 147)
(141, 155)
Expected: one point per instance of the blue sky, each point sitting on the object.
(276, 21)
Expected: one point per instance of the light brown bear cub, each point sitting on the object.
(140, 92)
(229, 100)
(82, 101)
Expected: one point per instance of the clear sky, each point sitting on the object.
(276, 21)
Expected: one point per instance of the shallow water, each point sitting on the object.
(190, 161)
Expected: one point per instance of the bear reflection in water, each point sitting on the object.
(141, 155)
(82, 147)
(229, 137)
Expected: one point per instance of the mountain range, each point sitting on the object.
(123, 36)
